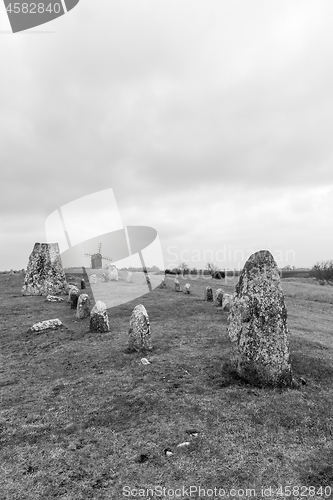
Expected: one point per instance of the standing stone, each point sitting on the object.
(129, 277)
(93, 279)
(45, 274)
(74, 297)
(258, 324)
(187, 288)
(113, 273)
(208, 294)
(139, 331)
(227, 301)
(104, 278)
(83, 284)
(99, 321)
(218, 297)
(147, 279)
(177, 286)
(83, 307)
(72, 288)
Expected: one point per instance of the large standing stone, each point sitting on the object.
(258, 324)
(45, 274)
(208, 294)
(177, 286)
(99, 321)
(139, 331)
(113, 273)
(218, 297)
(83, 306)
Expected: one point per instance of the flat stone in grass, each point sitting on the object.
(208, 294)
(99, 321)
(49, 324)
(83, 306)
(45, 274)
(218, 297)
(53, 298)
(257, 324)
(139, 330)
(187, 288)
(177, 286)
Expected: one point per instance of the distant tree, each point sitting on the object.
(184, 268)
(194, 271)
(323, 270)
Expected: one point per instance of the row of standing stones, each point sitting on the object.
(257, 322)
(45, 276)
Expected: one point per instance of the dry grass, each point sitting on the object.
(81, 419)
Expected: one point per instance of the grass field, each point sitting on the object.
(82, 419)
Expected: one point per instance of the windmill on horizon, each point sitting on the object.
(97, 258)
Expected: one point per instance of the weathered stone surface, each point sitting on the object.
(187, 288)
(177, 286)
(139, 331)
(129, 277)
(53, 298)
(104, 278)
(45, 274)
(74, 297)
(93, 279)
(113, 273)
(208, 294)
(99, 321)
(83, 306)
(218, 297)
(258, 324)
(227, 301)
(83, 284)
(72, 288)
(49, 324)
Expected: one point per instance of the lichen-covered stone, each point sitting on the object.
(218, 297)
(227, 302)
(49, 324)
(93, 279)
(177, 286)
(129, 277)
(45, 274)
(83, 284)
(83, 306)
(53, 298)
(99, 321)
(139, 331)
(208, 294)
(187, 288)
(257, 324)
(104, 277)
(113, 273)
(74, 297)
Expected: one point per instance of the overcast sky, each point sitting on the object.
(211, 121)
